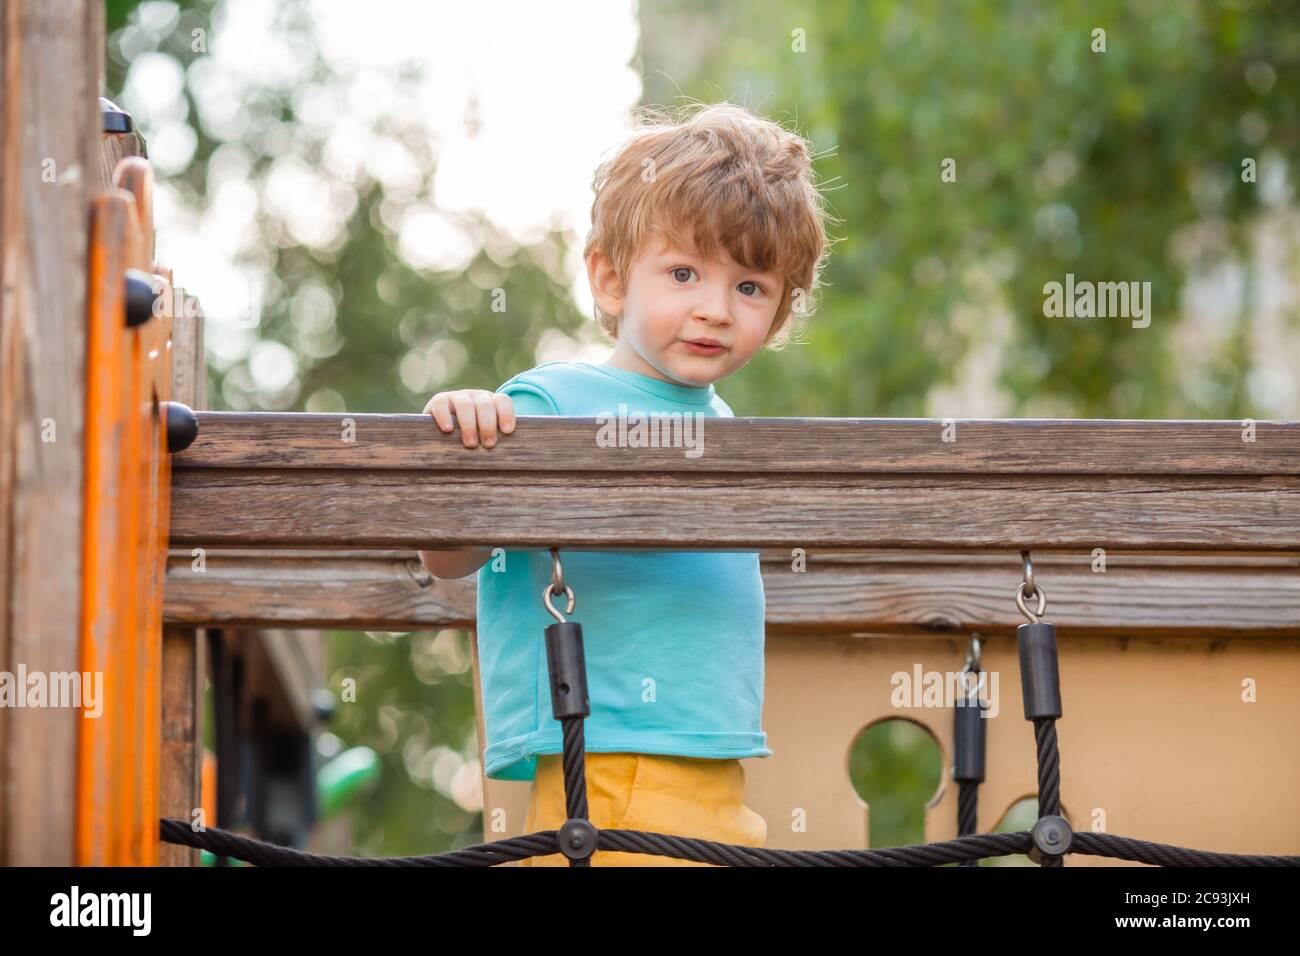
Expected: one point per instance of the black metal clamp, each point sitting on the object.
(578, 838)
(1052, 839)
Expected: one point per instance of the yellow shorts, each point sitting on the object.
(683, 796)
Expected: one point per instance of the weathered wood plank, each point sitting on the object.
(182, 682)
(184, 648)
(872, 592)
(375, 590)
(613, 509)
(51, 58)
(285, 441)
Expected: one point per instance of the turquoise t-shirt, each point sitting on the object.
(673, 640)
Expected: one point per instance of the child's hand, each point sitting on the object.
(478, 412)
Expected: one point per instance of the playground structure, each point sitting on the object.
(886, 543)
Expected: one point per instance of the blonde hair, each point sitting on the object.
(730, 179)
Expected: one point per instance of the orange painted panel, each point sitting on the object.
(208, 788)
(128, 485)
(103, 617)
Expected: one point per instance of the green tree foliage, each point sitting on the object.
(1067, 160)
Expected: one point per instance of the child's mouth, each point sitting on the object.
(700, 349)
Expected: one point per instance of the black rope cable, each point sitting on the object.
(983, 846)
(259, 853)
(575, 777)
(1049, 768)
(1049, 776)
(1162, 854)
(969, 744)
(968, 792)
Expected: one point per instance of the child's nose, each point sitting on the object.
(714, 305)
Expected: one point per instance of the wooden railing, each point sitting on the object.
(395, 481)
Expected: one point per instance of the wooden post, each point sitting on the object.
(51, 58)
(184, 649)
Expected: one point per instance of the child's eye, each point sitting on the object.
(688, 271)
(758, 289)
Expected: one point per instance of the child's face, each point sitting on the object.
(673, 297)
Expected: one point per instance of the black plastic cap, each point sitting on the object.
(115, 119)
(568, 670)
(969, 741)
(140, 297)
(182, 427)
(1040, 677)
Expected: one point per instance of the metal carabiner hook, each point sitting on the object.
(972, 654)
(557, 586)
(1034, 617)
(972, 665)
(1029, 589)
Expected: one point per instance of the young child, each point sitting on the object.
(707, 238)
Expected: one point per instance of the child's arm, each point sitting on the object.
(456, 563)
(477, 411)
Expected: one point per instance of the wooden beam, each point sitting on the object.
(385, 481)
(292, 441)
(870, 592)
(375, 590)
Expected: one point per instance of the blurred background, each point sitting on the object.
(343, 186)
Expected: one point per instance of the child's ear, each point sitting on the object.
(606, 288)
